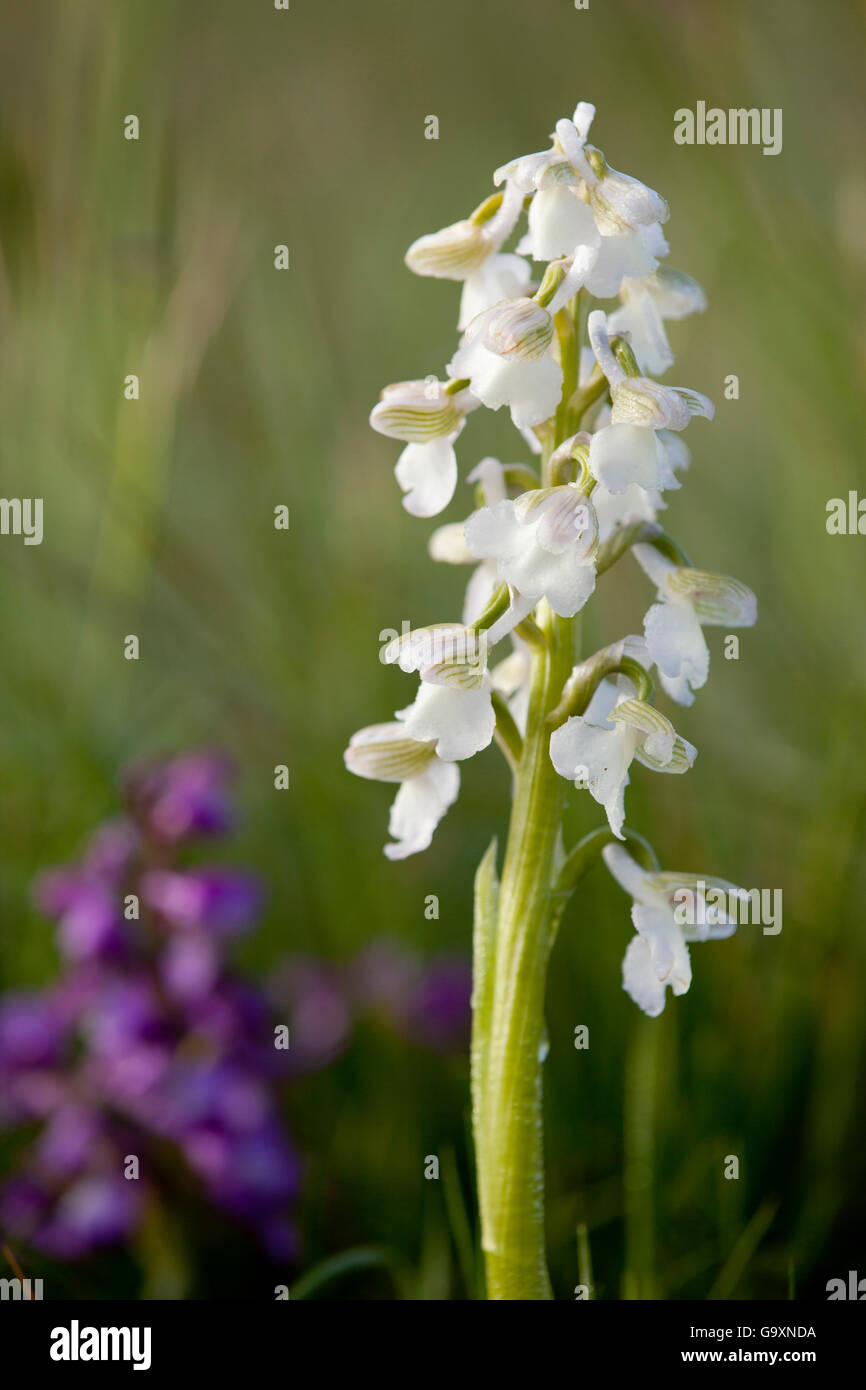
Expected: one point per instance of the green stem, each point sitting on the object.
(507, 733)
(568, 361)
(508, 1114)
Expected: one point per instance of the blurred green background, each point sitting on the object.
(306, 128)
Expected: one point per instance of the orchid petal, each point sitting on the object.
(418, 808)
(621, 455)
(677, 646)
(385, 753)
(717, 599)
(639, 979)
(448, 544)
(597, 759)
(669, 953)
(459, 722)
(427, 473)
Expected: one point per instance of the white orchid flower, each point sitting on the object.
(595, 750)
(640, 444)
(689, 600)
(638, 400)
(506, 354)
(453, 709)
(470, 251)
(544, 545)
(579, 201)
(558, 216)
(385, 753)
(429, 418)
(646, 303)
(658, 957)
(569, 224)
(634, 503)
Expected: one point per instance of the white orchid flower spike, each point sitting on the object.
(607, 443)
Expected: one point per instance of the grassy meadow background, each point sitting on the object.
(155, 257)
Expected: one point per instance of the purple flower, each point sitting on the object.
(90, 922)
(219, 1094)
(250, 1172)
(125, 1012)
(189, 966)
(214, 899)
(31, 1031)
(97, 1209)
(148, 1043)
(111, 849)
(67, 1141)
(182, 798)
(235, 1020)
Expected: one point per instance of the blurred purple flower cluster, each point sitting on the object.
(148, 1045)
